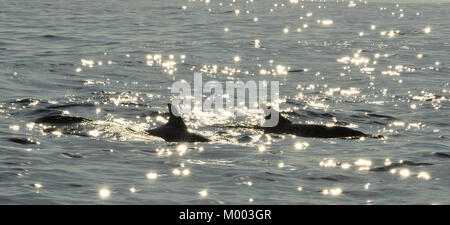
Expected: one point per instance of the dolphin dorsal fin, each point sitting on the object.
(281, 119)
(175, 119)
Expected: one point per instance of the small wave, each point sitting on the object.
(75, 185)
(24, 141)
(296, 71)
(399, 164)
(244, 139)
(438, 154)
(330, 178)
(25, 101)
(72, 155)
(154, 114)
(55, 37)
(70, 105)
(382, 116)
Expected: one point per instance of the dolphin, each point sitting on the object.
(175, 130)
(62, 120)
(285, 126)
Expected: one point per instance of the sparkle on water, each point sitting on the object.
(332, 191)
(203, 193)
(104, 193)
(152, 176)
(404, 173)
(262, 148)
(424, 175)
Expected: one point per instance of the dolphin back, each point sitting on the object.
(175, 119)
(175, 130)
(285, 126)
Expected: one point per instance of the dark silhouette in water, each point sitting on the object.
(442, 155)
(296, 71)
(176, 131)
(23, 141)
(285, 126)
(61, 120)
